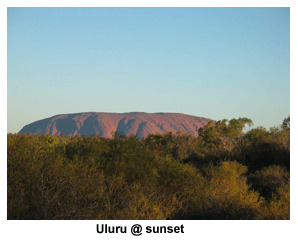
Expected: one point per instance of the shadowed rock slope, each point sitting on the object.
(103, 124)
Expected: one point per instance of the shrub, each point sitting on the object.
(278, 207)
(265, 148)
(164, 176)
(225, 194)
(267, 180)
(90, 178)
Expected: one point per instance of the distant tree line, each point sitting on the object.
(223, 173)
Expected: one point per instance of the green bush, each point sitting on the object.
(278, 207)
(110, 179)
(225, 194)
(163, 176)
(264, 148)
(267, 180)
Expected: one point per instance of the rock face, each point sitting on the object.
(103, 124)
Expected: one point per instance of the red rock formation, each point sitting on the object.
(103, 124)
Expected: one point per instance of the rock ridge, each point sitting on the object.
(104, 123)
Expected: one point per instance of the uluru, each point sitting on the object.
(104, 124)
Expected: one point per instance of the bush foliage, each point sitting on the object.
(223, 173)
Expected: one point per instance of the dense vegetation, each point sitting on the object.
(223, 173)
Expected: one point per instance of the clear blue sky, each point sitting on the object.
(219, 63)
